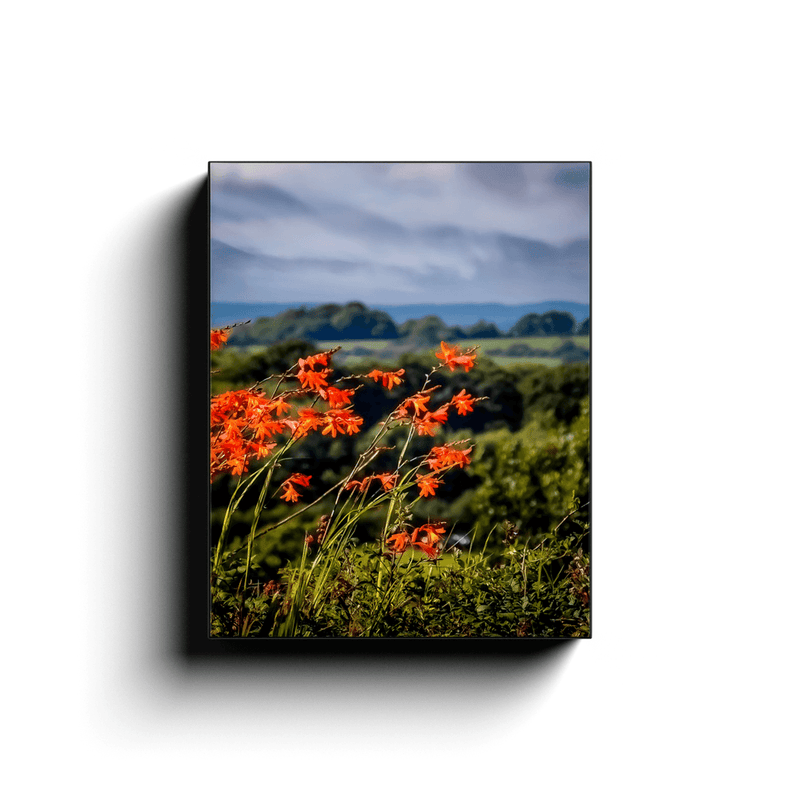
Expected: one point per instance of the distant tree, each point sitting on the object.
(551, 323)
(529, 325)
(584, 328)
(356, 321)
(560, 323)
(428, 330)
(482, 330)
(329, 321)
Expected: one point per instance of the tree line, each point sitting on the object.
(356, 321)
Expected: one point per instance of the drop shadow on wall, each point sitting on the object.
(186, 644)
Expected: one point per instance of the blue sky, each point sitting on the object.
(399, 233)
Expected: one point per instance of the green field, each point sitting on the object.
(387, 349)
(536, 342)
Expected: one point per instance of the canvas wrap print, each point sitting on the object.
(399, 409)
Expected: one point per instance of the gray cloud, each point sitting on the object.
(392, 233)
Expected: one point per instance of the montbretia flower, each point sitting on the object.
(317, 360)
(314, 379)
(242, 427)
(428, 424)
(341, 420)
(399, 542)
(219, 337)
(389, 379)
(388, 480)
(289, 486)
(309, 376)
(336, 398)
(428, 538)
(280, 406)
(463, 402)
(429, 550)
(443, 457)
(453, 357)
(428, 484)
(430, 533)
(419, 403)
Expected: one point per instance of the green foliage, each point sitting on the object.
(529, 476)
(428, 331)
(532, 477)
(559, 323)
(330, 321)
(522, 590)
(483, 330)
(355, 321)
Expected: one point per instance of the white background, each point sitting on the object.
(687, 110)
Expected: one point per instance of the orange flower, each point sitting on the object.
(399, 542)
(428, 484)
(463, 402)
(241, 429)
(440, 415)
(387, 479)
(452, 357)
(290, 494)
(429, 550)
(425, 426)
(336, 398)
(467, 361)
(267, 426)
(320, 359)
(313, 379)
(300, 479)
(447, 352)
(341, 421)
(389, 379)
(419, 402)
(444, 457)
(289, 486)
(262, 449)
(427, 538)
(280, 406)
(309, 420)
(430, 533)
(219, 337)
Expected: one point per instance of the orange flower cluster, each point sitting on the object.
(453, 357)
(427, 538)
(389, 379)
(242, 427)
(219, 337)
(387, 481)
(447, 456)
(440, 459)
(309, 376)
(427, 422)
(289, 486)
(245, 422)
(336, 398)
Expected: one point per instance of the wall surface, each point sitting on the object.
(688, 687)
